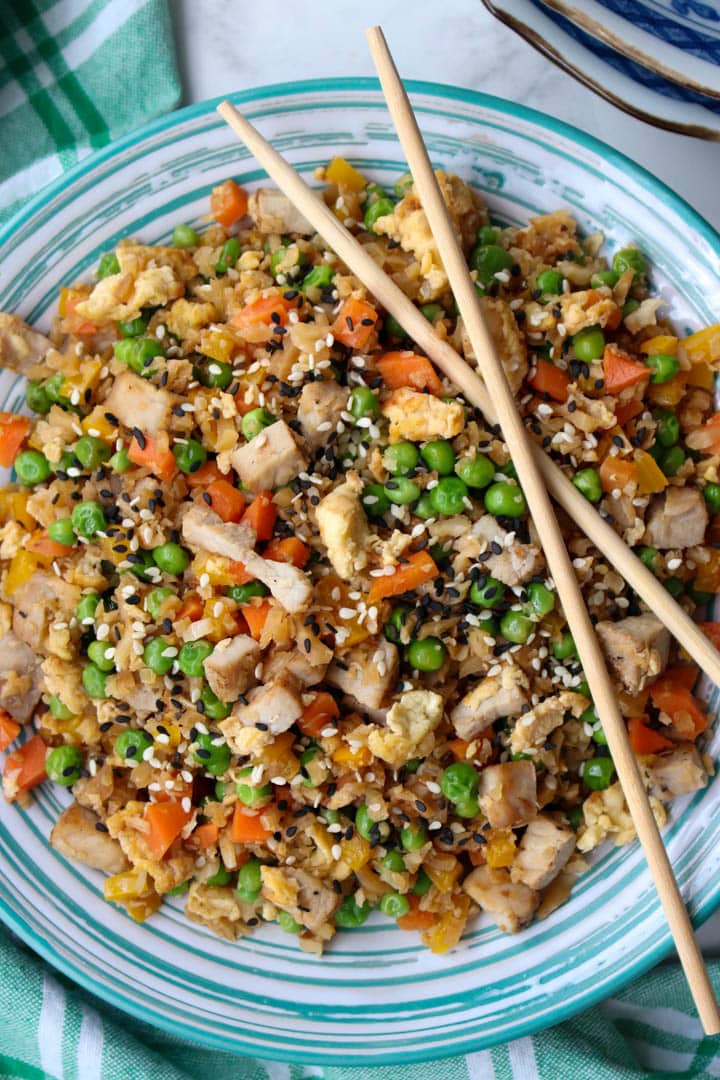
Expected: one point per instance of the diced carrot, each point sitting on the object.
(406, 368)
(318, 714)
(621, 371)
(643, 739)
(204, 476)
(25, 767)
(711, 630)
(683, 674)
(155, 455)
(459, 748)
(166, 820)
(261, 312)
(247, 828)
(616, 472)
(203, 836)
(9, 729)
(74, 323)
(191, 608)
(255, 616)
(626, 412)
(550, 379)
(675, 699)
(227, 502)
(261, 515)
(239, 574)
(478, 856)
(415, 918)
(354, 323)
(415, 571)
(228, 203)
(13, 432)
(289, 550)
(41, 544)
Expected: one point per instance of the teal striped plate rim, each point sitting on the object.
(377, 995)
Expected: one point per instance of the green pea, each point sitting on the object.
(486, 592)
(214, 759)
(85, 611)
(378, 209)
(97, 652)
(489, 626)
(88, 518)
(366, 827)
(629, 306)
(605, 277)
(675, 586)
(440, 456)
(242, 593)
(424, 508)
(132, 744)
(363, 402)
(508, 469)
(469, 808)
(448, 496)
(394, 905)
(153, 657)
(93, 679)
(564, 647)
(426, 654)
(133, 328)
(587, 481)
(228, 256)
(550, 283)
(58, 708)
(505, 500)
(320, 277)
(422, 885)
(413, 836)
(250, 794)
(171, 558)
(249, 881)
(179, 890)
(255, 421)
(62, 532)
(53, 389)
(288, 263)
(542, 599)
(712, 497)
(589, 344)
(108, 265)
(516, 627)
(598, 773)
(192, 657)
(221, 877)
(394, 625)
(91, 452)
(216, 375)
(350, 914)
(671, 460)
(393, 329)
(155, 600)
(32, 468)
(459, 782)
(305, 758)
(629, 259)
(220, 790)
(412, 766)
(575, 817)
(37, 398)
(489, 260)
(120, 462)
(432, 312)
(663, 366)
(393, 862)
(214, 708)
(287, 923)
(401, 458)
(189, 456)
(476, 471)
(648, 555)
(487, 234)
(402, 491)
(140, 568)
(403, 185)
(138, 353)
(668, 428)
(374, 500)
(331, 817)
(63, 765)
(185, 237)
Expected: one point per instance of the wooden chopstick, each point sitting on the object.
(395, 301)
(548, 529)
(603, 536)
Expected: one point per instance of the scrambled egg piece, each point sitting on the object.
(344, 528)
(606, 814)
(122, 296)
(187, 316)
(534, 726)
(420, 417)
(591, 307)
(409, 723)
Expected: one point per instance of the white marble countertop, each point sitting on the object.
(227, 46)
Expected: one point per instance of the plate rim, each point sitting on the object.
(14, 920)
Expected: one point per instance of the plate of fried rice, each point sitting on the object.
(299, 758)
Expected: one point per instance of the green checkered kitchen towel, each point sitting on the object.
(75, 74)
(51, 1029)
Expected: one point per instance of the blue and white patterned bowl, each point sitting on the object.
(377, 995)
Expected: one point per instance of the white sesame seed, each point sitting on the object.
(336, 852)
(186, 804)
(434, 825)
(278, 780)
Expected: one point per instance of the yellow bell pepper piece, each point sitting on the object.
(703, 347)
(13, 507)
(127, 885)
(218, 345)
(22, 567)
(342, 173)
(661, 343)
(650, 477)
(278, 758)
(669, 393)
(109, 545)
(443, 870)
(447, 931)
(355, 852)
(500, 850)
(355, 758)
(701, 375)
(86, 378)
(332, 593)
(96, 424)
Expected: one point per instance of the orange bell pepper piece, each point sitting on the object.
(247, 828)
(406, 368)
(191, 608)
(25, 767)
(354, 323)
(204, 836)
(155, 455)
(204, 476)
(321, 711)
(227, 502)
(228, 203)
(13, 432)
(166, 820)
(9, 729)
(621, 371)
(669, 695)
(255, 616)
(415, 918)
(261, 515)
(415, 571)
(551, 380)
(627, 411)
(41, 544)
(288, 550)
(616, 472)
(643, 739)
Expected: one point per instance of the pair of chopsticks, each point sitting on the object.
(537, 474)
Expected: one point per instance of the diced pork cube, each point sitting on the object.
(139, 403)
(676, 519)
(74, 835)
(492, 698)
(533, 727)
(636, 649)
(20, 678)
(677, 772)
(277, 704)
(508, 794)
(271, 459)
(544, 850)
(21, 348)
(320, 403)
(511, 904)
(230, 667)
(366, 672)
(274, 214)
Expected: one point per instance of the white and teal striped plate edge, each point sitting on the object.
(376, 995)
